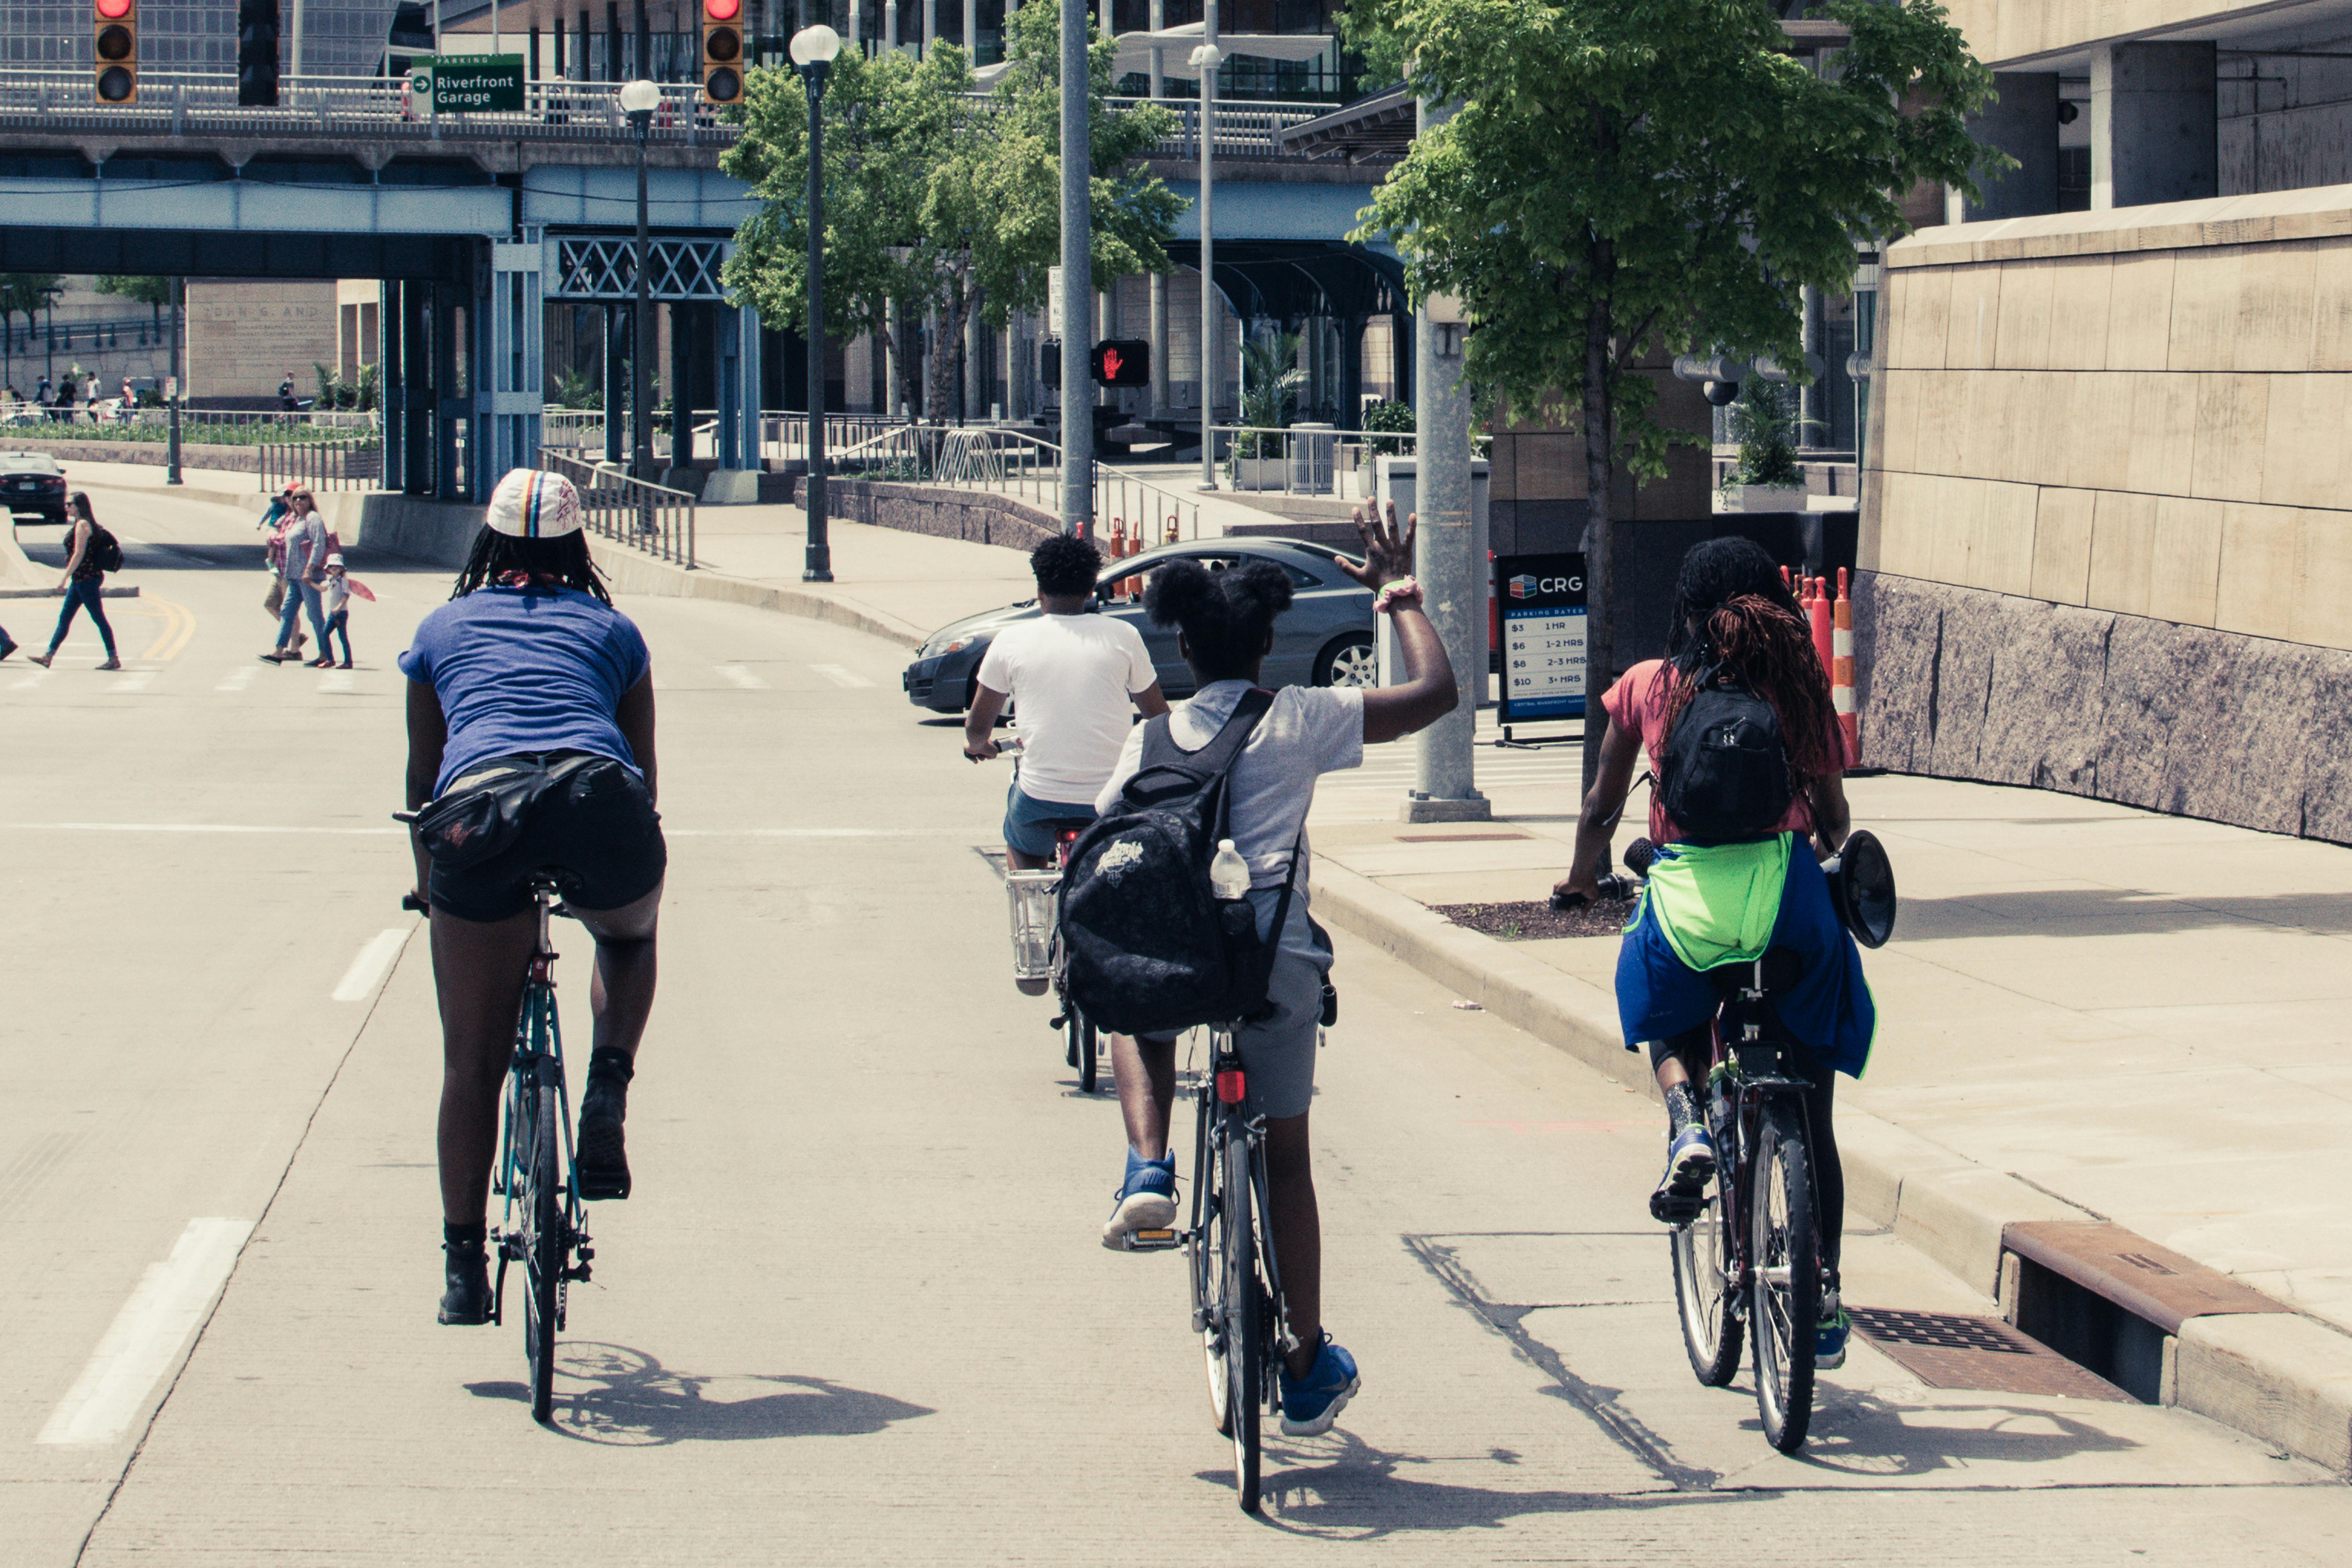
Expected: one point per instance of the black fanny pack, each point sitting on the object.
(487, 805)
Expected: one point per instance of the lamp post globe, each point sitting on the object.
(815, 45)
(639, 98)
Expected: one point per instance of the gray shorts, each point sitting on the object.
(1278, 1050)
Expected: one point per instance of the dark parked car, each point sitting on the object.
(1325, 639)
(33, 485)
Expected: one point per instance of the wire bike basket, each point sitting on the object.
(1031, 896)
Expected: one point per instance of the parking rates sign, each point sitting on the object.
(1541, 598)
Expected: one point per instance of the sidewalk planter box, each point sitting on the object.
(1760, 498)
(1259, 473)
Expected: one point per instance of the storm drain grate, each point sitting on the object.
(1951, 1349)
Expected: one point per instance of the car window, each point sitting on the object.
(1219, 563)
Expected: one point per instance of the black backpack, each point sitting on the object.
(1149, 947)
(105, 551)
(1726, 768)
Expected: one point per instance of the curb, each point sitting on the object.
(242, 500)
(630, 572)
(2282, 1378)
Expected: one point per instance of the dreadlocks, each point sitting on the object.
(1745, 617)
(563, 561)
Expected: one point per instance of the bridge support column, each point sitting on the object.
(617, 383)
(416, 378)
(391, 391)
(682, 323)
(508, 401)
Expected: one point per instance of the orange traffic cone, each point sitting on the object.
(1817, 611)
(1842, 671)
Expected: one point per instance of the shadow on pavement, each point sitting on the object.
(2114, 911)
(1864, 1435)
(625, 1398)
(1356, 1492)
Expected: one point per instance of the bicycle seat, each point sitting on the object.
(1783, 967)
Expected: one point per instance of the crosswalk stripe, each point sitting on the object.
(131, 681)
(337, 682)
(240, 677)
(839, 676)
(742, 677)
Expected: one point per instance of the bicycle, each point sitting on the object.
(1038, 955)
(543, 1224)
(1751, 1257)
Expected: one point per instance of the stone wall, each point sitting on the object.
(1958, 682)
(241, 459)
(2108, 500)
(979, 517)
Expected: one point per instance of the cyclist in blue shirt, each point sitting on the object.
(528, 669)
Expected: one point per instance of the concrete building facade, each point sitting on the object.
(2105, 532)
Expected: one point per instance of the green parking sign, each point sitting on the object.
(477, 82)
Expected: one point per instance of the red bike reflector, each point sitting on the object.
(1231, 1087)
(722, 10)
(113, 10)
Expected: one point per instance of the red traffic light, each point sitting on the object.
(717, 10)
(113, 10)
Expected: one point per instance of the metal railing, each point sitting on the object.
(344, 465)
(1015, 463)
(205, 104)
(1316, 461)
(629, 511)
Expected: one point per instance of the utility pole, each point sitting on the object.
(1206, 60)
(179, 313)
(1078, 275)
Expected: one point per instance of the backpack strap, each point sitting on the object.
(1168, 769)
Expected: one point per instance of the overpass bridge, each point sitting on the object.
(477, 222)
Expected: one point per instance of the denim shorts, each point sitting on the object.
(1028, 820)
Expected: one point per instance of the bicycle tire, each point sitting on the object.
(1704, 1285)
(1245, 1294)
(1089, 1047)
(1207, 1248)
(1784, 1248)
(542, 1211)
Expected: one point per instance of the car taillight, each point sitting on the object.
(1231, 1087)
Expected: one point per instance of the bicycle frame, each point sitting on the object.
(1222, 1091)
(1757, 1067)
(539, 1037)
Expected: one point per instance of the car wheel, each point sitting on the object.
(1351, 660)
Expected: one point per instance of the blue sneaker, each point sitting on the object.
(1829, 1338)
(1690, 1165)
(1310, 1404)
(1146, 1200)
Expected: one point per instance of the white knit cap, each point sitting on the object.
(530, 503)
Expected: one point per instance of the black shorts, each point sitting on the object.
(597, 833)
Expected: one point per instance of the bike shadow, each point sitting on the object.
(1866, 1435)
(621, 1397)
(1349, 1491)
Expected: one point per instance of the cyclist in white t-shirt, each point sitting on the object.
(1073, 675)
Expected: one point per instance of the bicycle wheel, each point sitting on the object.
(1208, 1246)
(1246, 1320)
(1088, 1047)
(541, 1204)
(1704, 1284)
(1784, 1247)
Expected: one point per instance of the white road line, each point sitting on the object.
(132, 680)
(28, 682)
(240, 677)
(338, 682)
(839, 676)
(741, 677)
(374, 960)
(139, 1345)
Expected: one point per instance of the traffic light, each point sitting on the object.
(257, 52)
(722, 50)
(117, 44)
(1121, 361)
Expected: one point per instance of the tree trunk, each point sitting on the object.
(1600, 551)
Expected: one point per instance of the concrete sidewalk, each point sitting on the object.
(2088, 1012)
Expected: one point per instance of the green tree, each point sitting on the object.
(1626, 178)
(24, 294)
(139, 288)
(937, 199)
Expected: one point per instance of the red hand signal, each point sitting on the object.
(1111, 362)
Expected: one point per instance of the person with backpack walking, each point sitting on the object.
(1748, 759)
(1236, 762)
(91, 555)
(302, 570)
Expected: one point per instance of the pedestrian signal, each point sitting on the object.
(1122, 362)
(117, 47)
(722, 50)
(257, 53)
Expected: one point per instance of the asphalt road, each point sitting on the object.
(855, 1311)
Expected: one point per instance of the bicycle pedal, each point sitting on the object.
(1159, 1240)
(1056, 1023)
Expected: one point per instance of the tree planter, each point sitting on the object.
(1259, 473)
(1760, 498)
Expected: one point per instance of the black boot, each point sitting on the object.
(604, 1157)
(466, 1301)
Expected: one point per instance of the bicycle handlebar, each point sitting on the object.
(1640, 855)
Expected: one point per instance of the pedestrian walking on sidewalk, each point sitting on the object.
(94, 553)
(340, 587)
(1738, 632)
(301, 573)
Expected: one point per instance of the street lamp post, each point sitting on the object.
(812, 52)
(1078, 274)
(1206, 60)
(639, 100)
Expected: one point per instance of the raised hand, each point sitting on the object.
(1388, 555)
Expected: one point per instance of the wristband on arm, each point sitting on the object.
(1403, 594)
